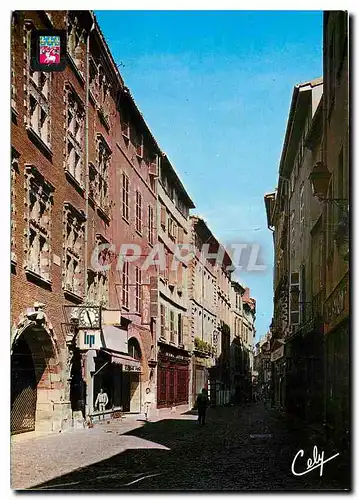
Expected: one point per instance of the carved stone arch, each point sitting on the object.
(35, 318)
(34, 343)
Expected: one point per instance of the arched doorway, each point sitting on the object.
(34, 366)
(23, 389)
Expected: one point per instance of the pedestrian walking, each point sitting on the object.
(148, 403)
(101, 401)
(202, 405)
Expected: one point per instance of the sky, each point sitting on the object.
(215, 89)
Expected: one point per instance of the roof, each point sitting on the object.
(131, 99)
(300, 87)
(178, 182)
(269, 200)
(199, 220)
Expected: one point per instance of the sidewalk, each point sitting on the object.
(40, 457)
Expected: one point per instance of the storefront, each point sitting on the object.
(172, 377)
(111, 368)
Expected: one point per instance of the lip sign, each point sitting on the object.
(317, 461)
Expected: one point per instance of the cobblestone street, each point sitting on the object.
(240, 448)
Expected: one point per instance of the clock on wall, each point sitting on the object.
(90, 317)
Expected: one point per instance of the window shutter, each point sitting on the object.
(294, 298)
(180, 235)
(167, 321)
(163, 216)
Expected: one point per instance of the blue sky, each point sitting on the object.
(215, 89)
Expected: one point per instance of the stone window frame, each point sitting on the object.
(99, 175)
(100, 90)
(15, 155)
(73, 245)
(73, 138)
(75, 37)
(98, 289)
(38, 203)
(14, 29)
(37, 98)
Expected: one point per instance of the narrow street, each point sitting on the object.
(240, 448)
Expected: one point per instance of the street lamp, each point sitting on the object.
(319, 178)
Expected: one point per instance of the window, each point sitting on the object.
(39, 203)
(172, 229)
(99, 176)
(163, 321)
(103, 159)
(163, 217)
(172, 326)
(14, 173)
(179, 329)
(292, 230)
(125, 285)
(294, 298)
(125, 196)
(74, 40)
(125, 126)
(138, 143)
(14, 34)
(74, 135)
(301, 206)
(74, 222)
(150, 225)
(138, 289)
(138, 212)
(38, 104)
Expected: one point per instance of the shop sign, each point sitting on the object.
(89, 339)
(130, 368)
(277, 354)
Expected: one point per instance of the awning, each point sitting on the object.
(129, 363)
(115, 338)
